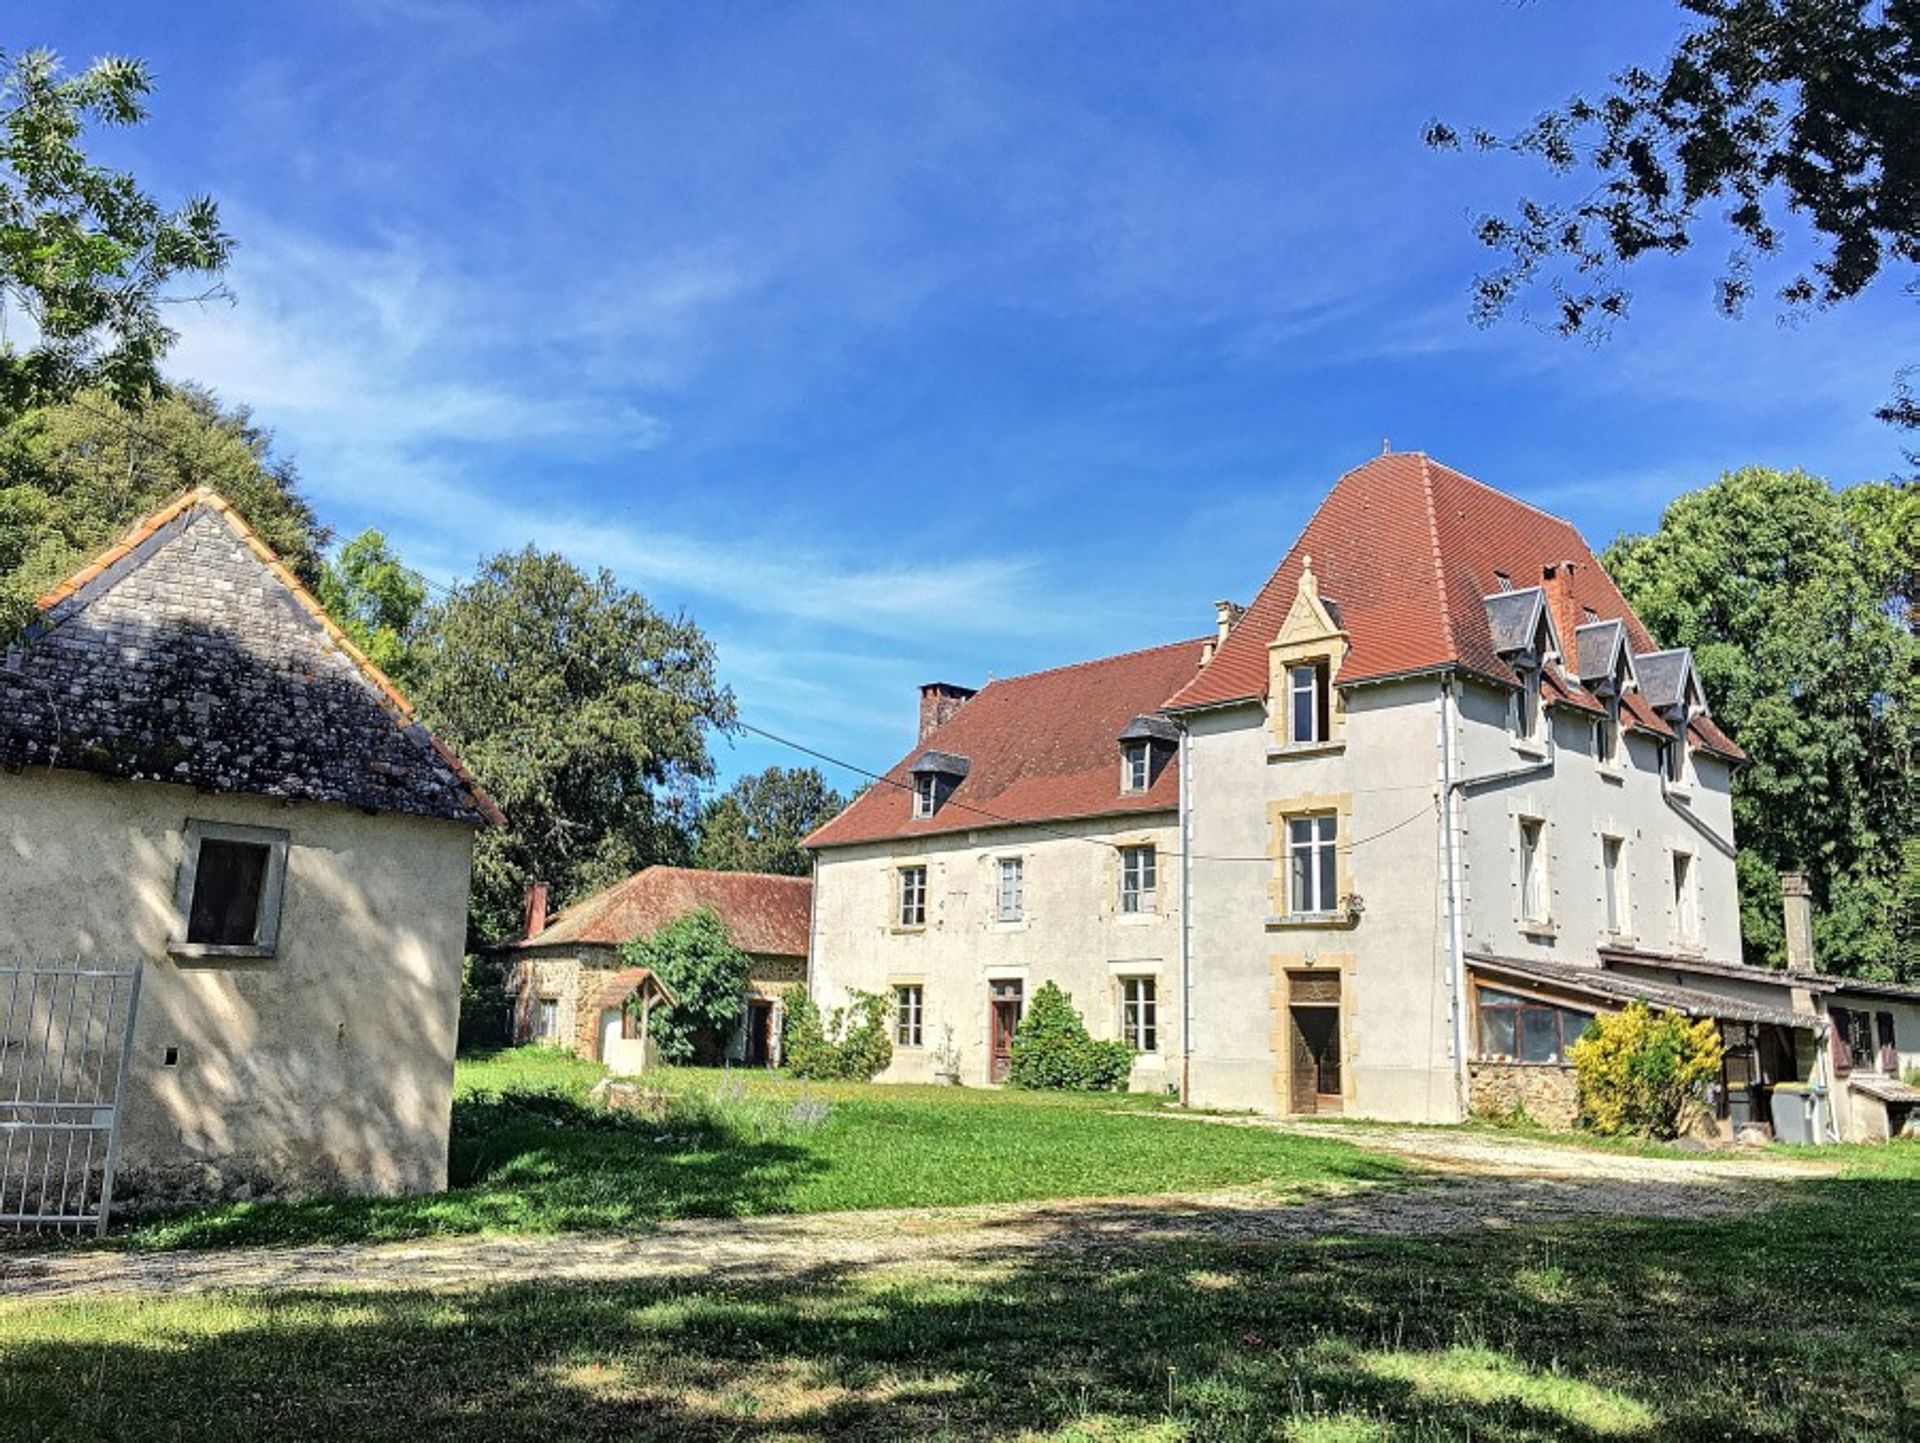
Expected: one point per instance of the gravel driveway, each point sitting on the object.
(1466, 1179)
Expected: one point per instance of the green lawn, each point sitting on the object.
(1792, 1324)
(530, 1155)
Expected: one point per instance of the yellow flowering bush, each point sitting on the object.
(1640, 1073)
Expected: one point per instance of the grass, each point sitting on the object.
(530, 1154)
(1790, 1324)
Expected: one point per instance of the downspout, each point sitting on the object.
(1186, 921)
(1456, 932)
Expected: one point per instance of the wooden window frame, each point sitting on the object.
(1016, 867)
(1140, 1012)
(1322, 873)
(1139, 879)
(1519, 1003)
(910, 899)
(1310, 680)
(1536, 880)
(909, 1014)
(273, 884)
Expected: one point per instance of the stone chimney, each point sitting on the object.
(1796, 900)
(1225, 614)
(939, 700)
(533, 912)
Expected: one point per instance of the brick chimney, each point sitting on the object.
(1556, 580)
(939, 700)
(533, 913)
(1796, 900)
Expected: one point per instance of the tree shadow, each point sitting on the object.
(1601, 1329)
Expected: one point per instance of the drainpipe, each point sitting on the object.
(1456, 932)
(1186, 920)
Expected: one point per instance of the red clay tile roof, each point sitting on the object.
(1407, 549)
(1041, 747)
(767, 915)
(615, 991)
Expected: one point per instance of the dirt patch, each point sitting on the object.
(1468, 1180)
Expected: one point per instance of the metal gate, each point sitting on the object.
(63, 1067)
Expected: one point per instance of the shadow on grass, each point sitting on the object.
(1647, 1329)
(533, 1161)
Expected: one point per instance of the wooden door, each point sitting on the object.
(759, 1033)
(1314, 1062)
(1003, 1020)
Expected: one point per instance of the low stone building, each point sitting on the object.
(568, 983)
(203, 776)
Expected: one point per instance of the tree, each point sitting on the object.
(758, 823)
(75, 476)
(696, 958)
(1052, 1049)
(1642, 1074)
(377, 601)
(1766, 109)
(582, 710)
(85, 254)
(1798, 602)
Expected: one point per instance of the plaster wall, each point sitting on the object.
(1072, 932)
(326, 1066)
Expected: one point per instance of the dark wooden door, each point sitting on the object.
(759, 1033)
(1316, 1059)
(1003, 1021)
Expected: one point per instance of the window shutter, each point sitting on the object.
(1837, 1020)
(1889, 1054)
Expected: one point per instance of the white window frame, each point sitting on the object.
(273, 886)
(1686, 898)
(909, 1014)
(1613, 885)
(1139, 879)
(543, 1009)
(1140, 1012)
(1313, 864)
(1010, 902)
(926, 795)
(1317, 674)
(1136, 767)
(910, 895)
(1536, 889)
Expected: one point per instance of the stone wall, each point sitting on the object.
(1550, 1095)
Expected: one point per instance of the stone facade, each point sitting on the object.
(1547, 1094)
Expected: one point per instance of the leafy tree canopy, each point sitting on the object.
(1765, 107)
(377, 600)
(74, 476)
(758, 823)
(582, 710)
(86, 256)
(707, 975)
(1798, 602)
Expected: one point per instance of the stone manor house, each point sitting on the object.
(1383, 844)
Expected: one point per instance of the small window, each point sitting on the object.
(1309, 697)
(1140, 1013)
(1853, 1040)
(1673, 756)
(1503, 581)
(1526, 1030)
(1013, 890)
(926, 794)
(1138, 879)
(1614, 883)
(909, 1004)
(913, 897)
(1526, 705)
(1535, 904)
(1606, 737)
(1312, 849)
(546, 1019)
(1686, 903)
(1136, 767)
(228, 894)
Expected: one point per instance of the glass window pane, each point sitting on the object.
(1539, 1034)
(1496, 1030)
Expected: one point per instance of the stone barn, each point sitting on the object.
(557, 974)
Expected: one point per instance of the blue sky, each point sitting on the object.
(897, 342)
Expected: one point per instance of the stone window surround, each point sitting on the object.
(1279, 884)
(1521, 811)
(272, 890)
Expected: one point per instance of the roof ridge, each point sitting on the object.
(1096, 661)
(393, 701)
(679, 870)
(1539, 511)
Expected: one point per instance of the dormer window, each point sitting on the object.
(1672, 688)
(1309, 694)
(935, 775)
(1146, 744)
(1520, 626)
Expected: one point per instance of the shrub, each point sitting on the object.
(850, 1044)
(1642, 1074)
(1052, 1050)
(707, 975)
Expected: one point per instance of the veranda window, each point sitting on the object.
(1523, 1029)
